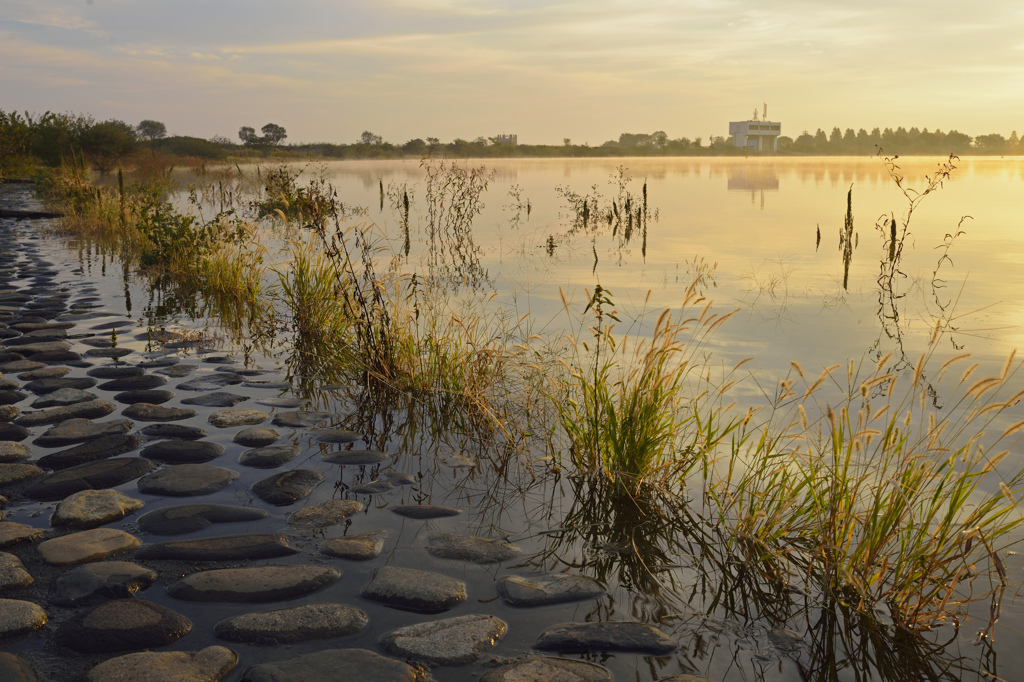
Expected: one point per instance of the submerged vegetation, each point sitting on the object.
(848, 503)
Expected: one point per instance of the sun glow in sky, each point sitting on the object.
(584, 69)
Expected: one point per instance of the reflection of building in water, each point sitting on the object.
(755, 179)
(512, 139)
(756, 136)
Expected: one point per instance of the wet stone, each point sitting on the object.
(158, 363)
(14, 668)
(389, 481)
(74, 431)
(284, 403)
(414, 590)
(18, 617)
(177, 371)
(355, 457)
(336, 436)
(356, 547)
(13, 432)
(189, 518)
(425, 511)
(45, 386)
(270, 385)
(298, 624)
(545, 669)
(548, 589)
(215, 399)
(92, 508)
(183, 451)
(150, 412)
(247, 372)
(86, 546)
(12, 573)
(123, 625)
(325, 514)
(95, 450)
(186, 480)
(115, 372)
(287, 487)
(44, 373)
(141, 382)
(112, 353)
(9, 397)
(256, 436)
(227, 418)
(173, 431)
(12, 533)
(572, 638)
(298, 419)
(9, 412)
(154, 396)
(99, 582)
(13, 452)
(269, 457)
(255, 584)
(211, 382)
(63, 397)
(93, 409)
(35, 348)
(61, 357)
(332, 665)
(219, 360)
(18, 472)
(20, 365)
(450, 641)
(226, 548)
(106, 473)
(471, 548)
(207, 665)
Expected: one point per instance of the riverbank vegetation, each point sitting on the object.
(846, 492)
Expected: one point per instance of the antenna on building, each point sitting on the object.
(755, 114)
(765, 116)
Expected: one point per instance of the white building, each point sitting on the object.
(756, 136)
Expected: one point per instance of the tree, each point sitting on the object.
(273, 134)
(247, 135)
(151, 130)
(433, 141)
(369, 138)
(566, 142)
(108, 143)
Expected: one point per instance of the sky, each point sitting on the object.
(586, 70)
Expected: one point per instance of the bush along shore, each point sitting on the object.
(847, 514)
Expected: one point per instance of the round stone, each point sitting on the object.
(18, 617)
(336, 436)
(64, 396)
(211, 382)
(256, 436)
(414, 590)
(189, 518)
(151, 412)
(207, 665)
(227, 418)
(123, 625)
(545, 669)
(215, 399)
(12, 573)
(98, 582)
(95, 450)
(173, 431)
(356, 547)
(425, 511)
(183, 451)
(115, 372)
(573, 638)
(355, 457)
(86, 546)
(106, 473)
(327, 513)
(297, 624)
(269, 457)
(287, 487)
(92, 508)
(92, 409)
(142, 382)
(549, 589)
(298, 420)
(14, 668)
(332, 665)
(13, 452)
(227, 548)
(75, 431)
(12, 533)
(185, 480)
(254, 584)
(451, 641)
(155, 396)
(11, 473)
(471, 548)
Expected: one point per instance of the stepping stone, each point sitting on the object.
(256, 436)
(389, 481)
(270, 385)
(30, 349)
(12, 533)
(14, 668)
(450, 641)
(183, 451)
(75, 431)
(288, 487)
(284, 403)
(252, 372)
(99, 582)
(211, 382)
(356, 547)
(155, 396)
(44, 373)
(189, 518)
(94, 450)
(123, 625)
(117, 324)
(297, 624)
(13, 432)
(269, 457)
(12, 573)
(173, 431)
(332, 665)
(413, 590)
(62, 357)
(142, 382)
(64, 396)
(107, 473)
(549, 589)
(219, 360)
(187, 480)
(425, 511)
(45, 386)
(206, 665)
(150, 412)
(336, 436)
(93, 409)
(92, 508)
(255, 584)
(471, 548)
(161, 363)
(9, 412)
(579, 638)
(227, 418)
(112, 353)
(115, 372)
(298, 420)
(86, 546)
(18, 472)
(18, 617)
(355, 457)
(176, 371)
(545, 669)
(325, 514)
(22, 365)
(227, 548)
(216, 399)
(9, 397)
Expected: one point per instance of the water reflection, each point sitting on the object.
(755, 179)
